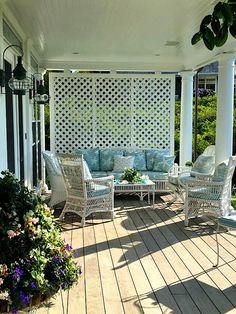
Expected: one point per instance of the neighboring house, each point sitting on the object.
(208, 77)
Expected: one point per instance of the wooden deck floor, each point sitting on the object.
(145, 261)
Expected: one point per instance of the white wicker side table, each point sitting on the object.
(140, 189)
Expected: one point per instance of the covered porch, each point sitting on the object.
(93, 40)
(145, 261)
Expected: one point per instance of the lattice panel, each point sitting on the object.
(111, 111)
(151, 111)
(73, 111)
(113, 107)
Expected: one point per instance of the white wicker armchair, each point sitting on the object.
(55, 177)
(180, 175)
(210, 194)
(85, 195)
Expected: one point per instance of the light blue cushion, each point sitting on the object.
(123, 162)
(87, 174)
(52, 163)
(186, 179)
(203, 165)
(91, 156)
(204, 193)
(153, 175)
(107, 158)
(99, 174)
(163, 163)
(220, 172)
(152, 153)
(117, 175)
(139, 158)
(229, 221)
(98, 190)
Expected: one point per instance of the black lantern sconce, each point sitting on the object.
(19, 83)
(39, 91)
(41, 96)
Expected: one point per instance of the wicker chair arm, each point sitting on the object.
(204, 183)
(103, 181)
(180, 170)
(100, 180)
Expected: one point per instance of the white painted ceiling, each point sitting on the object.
(116, 34)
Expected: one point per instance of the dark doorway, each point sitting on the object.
(9, 121)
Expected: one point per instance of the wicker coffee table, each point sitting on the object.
(140, 189)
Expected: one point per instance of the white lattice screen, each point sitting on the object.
(111, 111)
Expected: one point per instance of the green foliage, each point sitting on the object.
(34, 260)
(207, 108)
(131, 175)
(189, 163)
(215, 27)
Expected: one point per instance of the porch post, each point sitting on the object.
(224, 117)
(186, 117)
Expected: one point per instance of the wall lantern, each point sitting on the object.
(39, 91)
(41, 96)
(19, 83)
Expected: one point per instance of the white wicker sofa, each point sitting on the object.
(155, 163)
(101, 163)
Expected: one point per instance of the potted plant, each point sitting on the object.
(34, 261)
(131, 175)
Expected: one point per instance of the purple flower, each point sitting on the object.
(63, 285)
(24, 298)
(34, 285)
(15, 310)
(59, 271)
(69, 247)
(17, 273)
(57, 259)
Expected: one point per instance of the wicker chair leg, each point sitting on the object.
(113, 215)
(217, 247)
(83, 222)
(186, 221)
(62, 216)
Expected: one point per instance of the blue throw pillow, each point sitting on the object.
(151, 155)
(220, 172)
(163, 163)
(139, 159)
(107, 158)
(203, 165)
(91, 156)
(123, 162)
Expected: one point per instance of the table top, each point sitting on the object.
(145, 183)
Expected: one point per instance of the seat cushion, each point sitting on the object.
(117, 175)
(154, 175)
(203, 165)
(123, 162)
(186, 179)
(91, 156)
(107, 158)
(228, 221)
(163, 163)
(139, 158)
(152, 153)
(203, 193)
(97, 190)
(99, 174)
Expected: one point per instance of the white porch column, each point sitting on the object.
(186, 117)
(224, 117)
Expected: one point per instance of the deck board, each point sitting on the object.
(146, 261)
